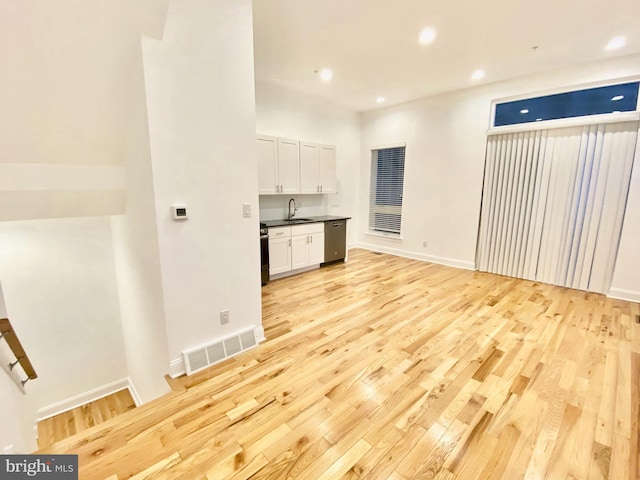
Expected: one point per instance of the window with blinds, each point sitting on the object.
(387, 181)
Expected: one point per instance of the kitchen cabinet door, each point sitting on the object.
(288, 166)
(299, 251)
(327, 169)
(309, 168)
(316, 248)
(279, 255)
(267, 164)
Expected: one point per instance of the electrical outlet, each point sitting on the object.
(246, 210)
(424, 244)
(224, 317)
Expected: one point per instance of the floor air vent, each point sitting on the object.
(210, 354)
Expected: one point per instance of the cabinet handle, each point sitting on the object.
(320, 188)
(311, 239)
(289, 242)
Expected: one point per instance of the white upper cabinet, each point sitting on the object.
(288, 166)
(278, 165)
(317, 168)
(309, 167)
(267, 165)
(327, 169)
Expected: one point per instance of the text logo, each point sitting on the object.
(51, 467)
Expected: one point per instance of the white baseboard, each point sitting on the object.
(622, 294)
(87, 397)
(451, 262)
(134, 393)
(178, 368)
(293, 272)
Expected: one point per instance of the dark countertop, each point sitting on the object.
(318, 219)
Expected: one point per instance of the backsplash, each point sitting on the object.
(274, 207)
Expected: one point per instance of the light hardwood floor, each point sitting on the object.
(64, 425)
(389, 368)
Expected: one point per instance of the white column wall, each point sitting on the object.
(137, 258)
(201, 108)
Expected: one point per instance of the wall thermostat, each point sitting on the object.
(179, 212)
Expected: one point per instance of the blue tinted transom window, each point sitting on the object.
(579, 103)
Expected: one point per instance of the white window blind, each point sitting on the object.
(387, 181)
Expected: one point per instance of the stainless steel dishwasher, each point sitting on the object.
(335, 240)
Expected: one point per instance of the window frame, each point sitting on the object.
(373, 188)
(569, 121)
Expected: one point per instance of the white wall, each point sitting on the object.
(201, 108)
(65, 78)
(285, 113)
(137, 258)
(12, 415)
(66, 75)
(61, 296)
(65, 103)
(446, 138)
(17, 434)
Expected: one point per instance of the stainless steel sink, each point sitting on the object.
(300, 220)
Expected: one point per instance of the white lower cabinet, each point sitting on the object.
(316, 247)
(299, 251)
(279, 250)
(292, 248)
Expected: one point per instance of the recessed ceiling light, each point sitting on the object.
(615, 43)
(380, 100)
(524, 110)
(427, 36)
(325, 74)
(477, 74)
(616, 98)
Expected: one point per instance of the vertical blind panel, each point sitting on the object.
(612, 214)
(553, 204)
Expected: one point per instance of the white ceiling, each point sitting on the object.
(372, 45)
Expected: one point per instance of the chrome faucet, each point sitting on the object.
(291, 214)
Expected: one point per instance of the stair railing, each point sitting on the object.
(8, 334)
